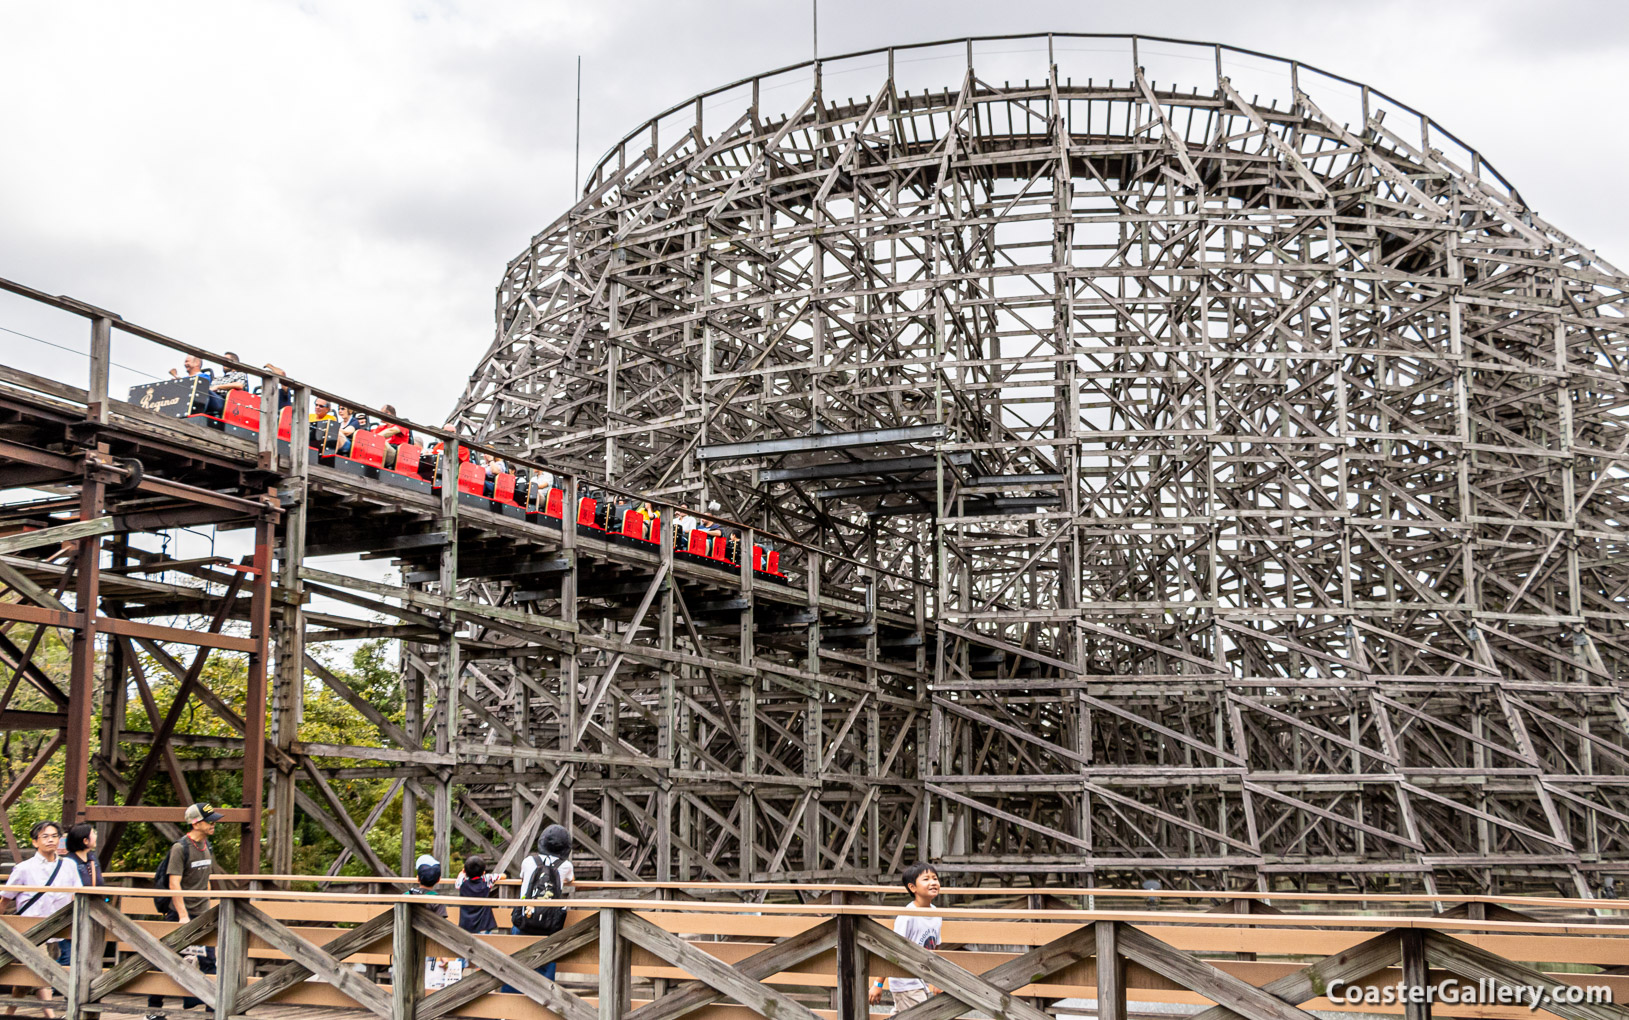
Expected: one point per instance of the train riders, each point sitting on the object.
(320, 412)
(463, 451)
(349, 423)
(393, 434)
(229, 380)
(194, 367)
(684, 522)
(285, 394)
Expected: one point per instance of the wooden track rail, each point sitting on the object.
(294, 955)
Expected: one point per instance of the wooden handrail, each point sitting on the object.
(1337, 921)
(984, 891)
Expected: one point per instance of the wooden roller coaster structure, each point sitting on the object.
(1164, 484)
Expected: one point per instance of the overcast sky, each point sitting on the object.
(337, 186)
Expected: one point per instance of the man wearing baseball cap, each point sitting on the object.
(191, 862)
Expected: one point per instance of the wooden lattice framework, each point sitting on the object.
(1261, 456)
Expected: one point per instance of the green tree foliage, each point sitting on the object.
(327, 718)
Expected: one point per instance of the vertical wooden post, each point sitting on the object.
(101, 363)
(254, 706)
(87, 591)
(288, 689)
(853, 972)
(82, 668)
(231, 959)
(1111, 974)
(406, 963)
(448, 668)
(616, 974)
(86, 963)
(666, 723)
(1415, 973)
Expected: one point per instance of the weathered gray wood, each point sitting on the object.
(34, 959)
(567, 940)
(48, 927)
(316, 960)
(157, 954)
(26, 540)
(1040, 962)
(1473, 964)
(501, 967)
(1269, 370)
(135, 964)
(231, 960)
(1111, 972)
(616, 976)
(693, 995)
(1198, 976)
(290, 974)
(1359, 961)
(763, 999)
(407, 958)
(853, 974)
(1416, 973)
(89, 941)
(958, 982)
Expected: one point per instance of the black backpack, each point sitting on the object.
(161, 880)
(535, 918)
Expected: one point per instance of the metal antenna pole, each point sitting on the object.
(577, 153)
(815, 4)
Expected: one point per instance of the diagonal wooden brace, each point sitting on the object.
(315, 959)
(693, 995)
(1347, 965)
(158, 953)
(959, 982)
(499, 966)
(1015, 973)
(293, 973)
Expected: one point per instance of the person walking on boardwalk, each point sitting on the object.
(922, 882)
(187, 869)
(46, 868)
(81, 843)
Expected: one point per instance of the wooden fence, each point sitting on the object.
(308, 955)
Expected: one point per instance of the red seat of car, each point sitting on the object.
(284, 418)
(556, 504)
(407, 458)
(775, 562)
(242, 408)
(757, 556)
(367, 448)
(472, 479)
(698, 542)
(633, 524)
(721, 548)
(503, 489)
(585, 511)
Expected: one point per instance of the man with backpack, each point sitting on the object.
(50, 868)
(544, 877)
(186, 869)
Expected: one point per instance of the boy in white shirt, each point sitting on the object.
(923, 884)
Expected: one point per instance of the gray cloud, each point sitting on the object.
(317, 182)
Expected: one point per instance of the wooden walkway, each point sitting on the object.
(315, 956)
